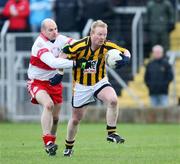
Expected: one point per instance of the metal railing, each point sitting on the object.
(173, 55)
(87, 27)
(137, 34)
(17, 100)
(123, 84)
(2, 61)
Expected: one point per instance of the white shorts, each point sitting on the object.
(83, 95)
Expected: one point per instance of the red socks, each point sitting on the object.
(48, 138)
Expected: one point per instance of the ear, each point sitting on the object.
(91, 33)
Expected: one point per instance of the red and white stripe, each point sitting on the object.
(43, 62)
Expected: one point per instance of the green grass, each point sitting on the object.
(20, 143)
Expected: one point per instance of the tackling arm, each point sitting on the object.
(53, 62)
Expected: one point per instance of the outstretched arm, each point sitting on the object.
(53, 62)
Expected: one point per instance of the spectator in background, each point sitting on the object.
(157, 77)
(99, 9)
(119, 2)
(136, 2)
(17, 11)
(174, 3)
(68, 12)
(2, 4)
(39, 10)
(160, 22)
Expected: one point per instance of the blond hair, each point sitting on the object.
(98, 23)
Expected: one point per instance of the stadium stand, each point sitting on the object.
(138, 86)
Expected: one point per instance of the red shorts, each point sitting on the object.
(55, 92)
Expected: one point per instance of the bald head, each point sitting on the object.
(157, 51)
(49, 28)
(46, 22)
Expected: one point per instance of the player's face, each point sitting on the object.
(98, 36)
(51, 31)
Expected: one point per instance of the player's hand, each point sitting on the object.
(62, 55)
(125, 60)
(81, 63)
(56, 79)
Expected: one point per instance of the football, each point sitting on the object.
(112, 56)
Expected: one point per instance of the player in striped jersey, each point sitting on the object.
(44, 83)
(91, 82)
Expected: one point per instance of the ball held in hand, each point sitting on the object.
(112, 56)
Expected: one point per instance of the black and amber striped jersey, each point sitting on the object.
(96, 69)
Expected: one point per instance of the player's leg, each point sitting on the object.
(55, 120)
(46, 121)
(72, 128)
(56, 113)
(81, 97)
(109, 97)
(56, 95)
(46, 118)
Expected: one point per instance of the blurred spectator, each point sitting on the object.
(119, 2)
(68, 14)
(137, 2)
(39, 10)
(157, 77)
(174, 3)
(2, 4)
(98, 9)
(160, 22)
(17, 11)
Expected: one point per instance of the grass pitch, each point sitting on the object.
(20, 143)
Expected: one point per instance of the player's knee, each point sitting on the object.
(76, 120)
(77, 117)
(49, 105)
(113, 102)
